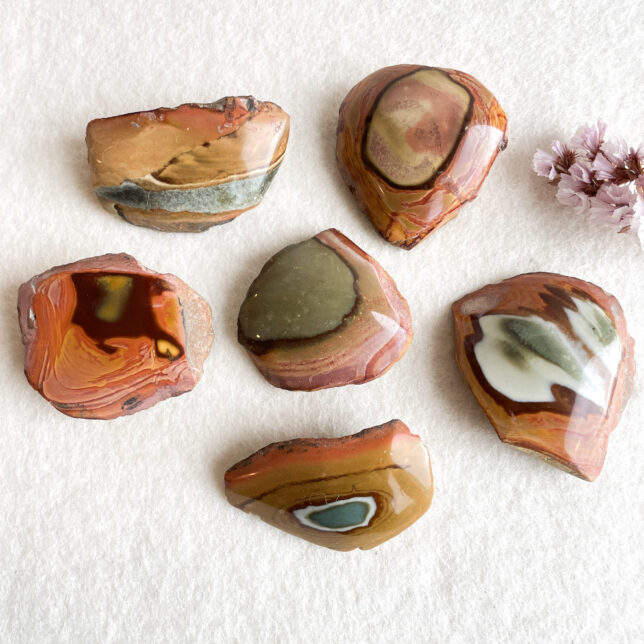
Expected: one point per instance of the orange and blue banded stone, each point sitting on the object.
(414, 144)
(342, 493)
(323, 313)
(190, 167)
(550, 361)
(105, 337)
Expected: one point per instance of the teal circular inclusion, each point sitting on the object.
(340, 516)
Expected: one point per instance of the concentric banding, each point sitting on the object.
(343, 493)
(415, 126)
(338, 516)
(415, 143)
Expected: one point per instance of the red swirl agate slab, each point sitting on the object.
(323, 313)
(414, 144)
(551, 363)
(105, 336)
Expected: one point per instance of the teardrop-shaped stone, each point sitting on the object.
(105, 336)
(341, 493)
(415, 143)
(323, 313)
(549, 359)
(187, 168)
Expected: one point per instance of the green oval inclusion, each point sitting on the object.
(602, 326)
(540, 339)
(303, 291)
(340, 516)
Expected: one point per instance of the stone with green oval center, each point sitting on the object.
(322, 313)
(342, 493)
(303, 291)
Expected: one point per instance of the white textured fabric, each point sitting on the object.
(119, 531)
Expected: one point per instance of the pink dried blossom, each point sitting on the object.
(603, 168)
(635, 159)
(576, 187)
(602, 178)
(613, 205)
(589, 138)
(564, 156)
(543, 164)
(616, 151)
(611, 193)
(572, 192)
(553, 165)
(582, 171)
(639, 152)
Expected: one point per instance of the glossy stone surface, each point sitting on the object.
(187, 168)
(549, 359)
(105, 336)
(322, 313)
(414, 144)
(341, 493)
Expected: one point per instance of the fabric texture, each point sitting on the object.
(119, 531)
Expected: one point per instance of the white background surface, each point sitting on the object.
(119, 531)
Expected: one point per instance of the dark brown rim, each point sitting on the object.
(448, 159)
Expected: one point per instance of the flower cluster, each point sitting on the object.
(599, 177)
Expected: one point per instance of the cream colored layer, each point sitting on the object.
(526, 371)
(415, 126)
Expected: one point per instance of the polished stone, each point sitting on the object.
(187, 168)
(284, 306)
(341, 493)
(549, 359)
(414, 144)
(105, 336)
(322, 313)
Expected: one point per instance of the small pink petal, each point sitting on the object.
(581, 171)
(559, 148)
(571, 193)
(603, 168)
(638, 152)
(543, 164)
(611, 193)
(589, 138)
(616, 151)
(600, 211)
(610, 214)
